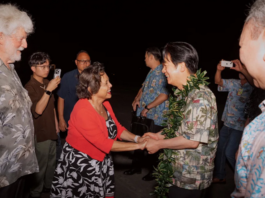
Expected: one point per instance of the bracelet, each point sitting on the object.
(135, 138)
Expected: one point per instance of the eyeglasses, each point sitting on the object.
(44, 67)
(84, 61)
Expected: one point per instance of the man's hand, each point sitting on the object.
(155, 136)
(62, 125)
(142, 139)
(219, 67)
(144, 112)
(238, 66)
(135, 103)
(152, 146)
(53, 84)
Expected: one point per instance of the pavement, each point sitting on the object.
(133, 186)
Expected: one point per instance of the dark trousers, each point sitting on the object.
(14, 190)
(139, 155)
(228, 143)
(176, 192)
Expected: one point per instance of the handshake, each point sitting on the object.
(151, 142)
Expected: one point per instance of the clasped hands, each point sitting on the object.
(151, 142)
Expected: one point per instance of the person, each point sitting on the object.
(67, 94)
(249, 174)
(67, 91)
(85, 168)
(196, 139)
(152, 103)
(17, 153)
(233, 118)
(45, 120)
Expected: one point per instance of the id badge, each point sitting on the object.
(239, 92)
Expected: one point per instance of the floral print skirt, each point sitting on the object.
(78, 175)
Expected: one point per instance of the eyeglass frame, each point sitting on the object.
(84, 61)
(43, 67)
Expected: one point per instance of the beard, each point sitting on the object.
(12, 52)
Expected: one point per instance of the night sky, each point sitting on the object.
(118, 32)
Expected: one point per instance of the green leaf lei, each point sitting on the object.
(164, 171)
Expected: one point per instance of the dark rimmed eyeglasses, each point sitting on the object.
(45, 67)
(84, 61)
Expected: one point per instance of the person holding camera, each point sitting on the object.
(233, 117)
(44, 119)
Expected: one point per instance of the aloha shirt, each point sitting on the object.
(17, 150)
(193, 168)
(154, 84)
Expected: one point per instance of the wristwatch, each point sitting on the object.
(146, 107)
(48, 92)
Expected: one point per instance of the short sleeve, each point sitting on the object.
(34, 99)
(62, 91)
(198, 119)
(228, 84)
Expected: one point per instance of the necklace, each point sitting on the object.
(100, 112)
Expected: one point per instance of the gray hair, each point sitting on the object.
(257, 16)
(12, 18)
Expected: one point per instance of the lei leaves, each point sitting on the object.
(164, 171)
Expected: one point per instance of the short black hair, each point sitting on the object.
(81, 51)
(155, 52)
(90, 77)
(38, 58)
(182, 52)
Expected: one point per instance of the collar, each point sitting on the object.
(10, 65)
(262, 106)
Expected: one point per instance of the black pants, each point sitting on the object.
(176, 192)
(14, 190)
(139, 155)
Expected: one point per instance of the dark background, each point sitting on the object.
(118, 32)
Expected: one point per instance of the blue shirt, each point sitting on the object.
(154, 84)
(250, 165)
(67, 91)
(233, 115)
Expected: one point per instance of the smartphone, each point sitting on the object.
(226, 63)
(57, 72)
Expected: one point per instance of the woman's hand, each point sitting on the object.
(142, 145)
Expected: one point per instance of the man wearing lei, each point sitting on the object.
(190, 140)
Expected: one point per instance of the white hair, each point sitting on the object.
(12, 18)
(257, 17)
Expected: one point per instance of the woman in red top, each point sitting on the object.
(85, 168)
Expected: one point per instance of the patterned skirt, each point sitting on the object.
(78, 175)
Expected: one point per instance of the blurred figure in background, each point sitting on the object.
(233, 118)
(152, 103)
(45, 121)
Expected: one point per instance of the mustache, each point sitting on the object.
(21, 48)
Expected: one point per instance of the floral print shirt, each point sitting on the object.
(234, 112)
(250, 165)
(154, 84)
(17, 150)
(193, 168)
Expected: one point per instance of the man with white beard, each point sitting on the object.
(17, 151)
(250, 165)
